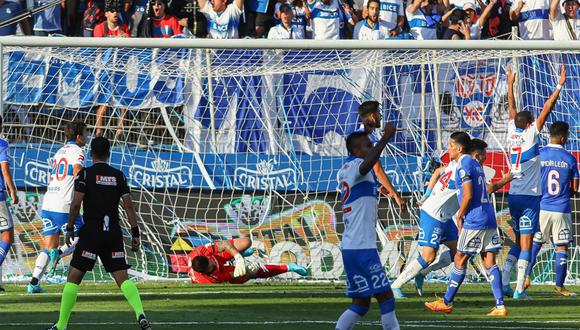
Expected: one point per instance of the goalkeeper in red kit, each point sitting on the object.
(210, 263)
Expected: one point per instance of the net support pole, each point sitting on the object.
(423, 125)
(211, 100)
(437, 101)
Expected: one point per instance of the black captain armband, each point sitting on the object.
(135, 232)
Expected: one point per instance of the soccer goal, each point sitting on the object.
(221, 139)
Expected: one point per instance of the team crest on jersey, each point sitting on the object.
(106, 180)
(89, 255)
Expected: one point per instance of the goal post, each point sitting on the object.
(228, 138)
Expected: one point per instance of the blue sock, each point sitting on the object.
(515, 251)
(536, 247)
(388, 317)
(526, 255)
(422, 262)
(4, 249)
(457, 277)
(494, 276)
(561, 267)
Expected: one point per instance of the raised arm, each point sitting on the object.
(549, 105)
(515, 14)
(375, 153)
(201, 4)
(485, 14)
(239, 4)
(414, 6)
(511, 79)
(554, 9)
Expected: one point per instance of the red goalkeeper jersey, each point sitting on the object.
(222, 273)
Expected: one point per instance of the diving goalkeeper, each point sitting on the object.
(210, 263)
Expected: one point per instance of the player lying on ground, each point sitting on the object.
(209, 264)
(6, 224)
(365, 274)
(477, 226)
(436, 224)
(65, 166)
(99, 189)
(526, 188)
(560, 181)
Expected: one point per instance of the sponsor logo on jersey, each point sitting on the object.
(118, 255)
(89, 255)
(265, 177)
(160, 174)
(106, 180)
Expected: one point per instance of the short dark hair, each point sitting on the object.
(285, 7)
(368, 3)
(457, 15)
(200, 264)
(352, 140)
(74, 129)
(559, 129)
(462, 139)
(477, 145)
(368, 107)
(100, 147)
(523, 118)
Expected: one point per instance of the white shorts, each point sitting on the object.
(472, 241)
(5, 217)
(555, 225)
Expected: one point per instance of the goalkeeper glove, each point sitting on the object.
(240, 265)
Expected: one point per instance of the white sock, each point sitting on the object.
(65, 250)
(40, 265)
(443, 260)
(410, 271)
(389, 321)
(522, 272)
(506, 272)
(347, 320)
(0, 275)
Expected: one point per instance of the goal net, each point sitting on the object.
(225, 143)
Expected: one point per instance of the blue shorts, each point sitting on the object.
(525, 213)
(433, 232)
(365, 274)
(55, 222)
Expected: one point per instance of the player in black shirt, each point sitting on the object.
(99, 188)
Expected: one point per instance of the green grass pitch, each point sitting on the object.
(276, 306)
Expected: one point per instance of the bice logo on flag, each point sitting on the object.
(106, 180)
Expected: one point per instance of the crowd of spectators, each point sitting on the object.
(299, 19)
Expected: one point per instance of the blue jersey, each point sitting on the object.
(559, 167)
(479, 214)
(9, 10)
(4, 158)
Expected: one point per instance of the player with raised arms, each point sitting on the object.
(6, 224)
(65, 166)
(369, 113)
(525, 189)
(560, 180)
(477, 226)
(209, 263)
(365, 275)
